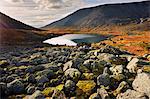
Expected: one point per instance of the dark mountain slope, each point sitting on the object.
(109, 14)
(13, 32)
(10, 23)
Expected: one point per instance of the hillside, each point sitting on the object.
(105, 15)
(13, 32)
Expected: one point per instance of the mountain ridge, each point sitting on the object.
(108, 14)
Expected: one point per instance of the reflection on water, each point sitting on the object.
(74, 39)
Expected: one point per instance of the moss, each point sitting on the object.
(48, 91)
(60, 87)
(86, 85)
(88, 76)
(146, 69)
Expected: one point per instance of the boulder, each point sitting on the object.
(103, 93)
(70, 87)
(36, 95)
(142, 83)
(95, 96)
(133, 65)
(4, 63)
(31, 90)
(116, 70)
(16, 87)
(3, 88)
(103, 80)
(123, 86)
(88, 76)
(58, 95)
(42, 79)
(86, 86)
(131, 94)
(73, 74)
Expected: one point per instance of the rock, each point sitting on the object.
(30, 69)
(111, 50)
(103, 93)
(95, 96)
(94, 66)
(68, 65)
(31, 90)
(48, 91)
(73, 74)
(103, 80)
(131, 94)
(47, 72)
(4, 63)
(3, 88)
(142, 83)
(133, 65)
(69, 87)
(31, 78)
(10, 78)
(58, 95)
(88, 76)
(36, 95)
(116, 70)
(118, 77)
(122, 87)
(15, 87)
(146, 69)
(42, 79)
(86, 86)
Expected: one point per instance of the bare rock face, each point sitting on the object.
(142, 83)
(131, 94)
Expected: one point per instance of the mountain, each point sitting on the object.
(13, 32)
(106, 15)
(9, 23)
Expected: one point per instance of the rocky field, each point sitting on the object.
(74, 73)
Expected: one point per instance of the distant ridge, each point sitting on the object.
(10, 23)
(13, 32)
(108, 14)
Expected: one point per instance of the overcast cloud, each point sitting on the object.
(42, 12)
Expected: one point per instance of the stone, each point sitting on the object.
(103, 80)
(88, 76)
(73, 74)
(94, 66)
(103, 93)
(95, 96)
(31, 78)
(142, 83)
(69, 87)
(4, 63)
(36, 95)
(131, 94)
(31, 90)
(10, 78)
(48, 91)
(111, 50)
(42, 79)
(16, 87)
(122, 87)
(47, 72)
(58, 95)
(86, 86)
(133, 65)
(3, 88)
(116, 70)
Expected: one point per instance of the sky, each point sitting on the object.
(39, 13)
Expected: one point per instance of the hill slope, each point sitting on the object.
(109, 14)
(13, 32)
